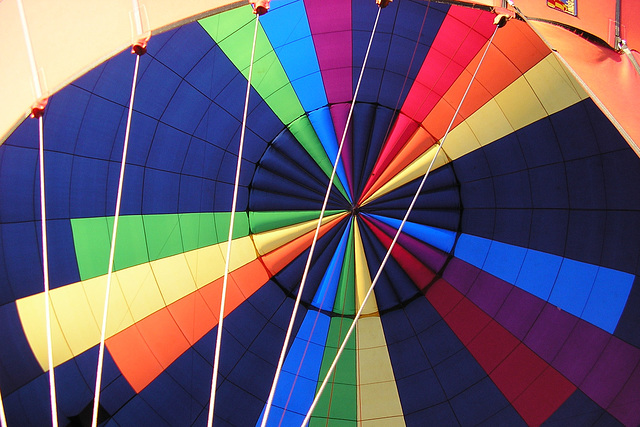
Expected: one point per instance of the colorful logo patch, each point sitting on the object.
(566, 6)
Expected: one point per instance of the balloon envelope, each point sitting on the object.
(510, 296)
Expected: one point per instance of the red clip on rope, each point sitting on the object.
(503, 15)
(140, 47)
(37, 109)
(260, 7)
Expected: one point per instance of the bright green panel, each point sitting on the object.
(240, 225)
(163, 235)
(345, 302)
(265, 221)
(198, 230)
(339, 399)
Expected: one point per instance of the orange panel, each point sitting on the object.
(193, 316)
(159, 329)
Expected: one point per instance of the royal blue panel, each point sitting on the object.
(323, 125)
(131, 203)
(294, 47)
(19, 185)
(116, 77)
(436, 237)
(629, 323)
(152, 98)
(202, 158)
(160, 192)
(213, 73)
(472, 249)
(504, 261)
(256, 144)
(137, 412)
(63, 268)
(483, 401)
(169, 149)
(186, 108)
(326, 293)
(608, 298)
(173, 51)
(57, 176)
(88, 189)
(64, 115)
(170, 401)
(22, 262)
(229, 100)
(573, 286)
(97, 137)
(580, 410)
(538, 273)
(18, 366)
(196, 194)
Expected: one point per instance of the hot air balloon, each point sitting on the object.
(509, 297)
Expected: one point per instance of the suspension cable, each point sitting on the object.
(216, 358)
(315, 237)
(103, 329)
(395, 239)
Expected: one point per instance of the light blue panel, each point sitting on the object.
(304, 358)
(573, 286)
(608, 298)
(323, 125)
(504, 261)
(538, 273)
(472, 249)
(326, 293)
(436, 237)
(294, 47)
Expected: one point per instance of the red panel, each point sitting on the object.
(518, 371)
(495, 343)
(443, 297)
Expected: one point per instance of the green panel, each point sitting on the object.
(339, 399)
(345, 302)
(198, 230)
(240, 225)
(265, 221)
(163, 235)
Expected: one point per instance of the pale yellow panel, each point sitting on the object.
(269, 240)
(75, 318)
(31, 311)
(242, 252)
(415, 170)
(460, 141)
(383, 422)
(378, 394)
(554, 86)
(489, 123)
(520, 104)
(138, 284)
(174, 277)
(206, 264)
(362, 275)
(118, 316)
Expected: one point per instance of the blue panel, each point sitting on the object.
(512, 226)
(472, 249)
(439, 343)
(29, 405)
(440, 415)
(581, 222)
(187, 372)
(173, 50)
(186, 108)
(57, 175)
(116, 77)
(513, 190)
(539, 144)
(608, 298)
(482, 401)
(629, 323)
(549, 230)
(573, 132)
(131, 203)
(72, 392)
(151, 98)
(141, 135)
(63, 267)
(549, 187)
(96, 138)
(22, 261)
(323, 125)
(458, 372)
(326, 293)
(169, 149)
(504, 261)
(195, 194)
(580, 410)
(478, 194)
(294, 47)
(505, 156)
(137, 412)
(538, 273)
(19, 187)
(170, 401)
(419, 391)
(573, 285)
(160, 193)
(116, 394)
(213, 73)
(586, 182)
(88, 192)
(436, 237)
(622, 169)
(64, 116)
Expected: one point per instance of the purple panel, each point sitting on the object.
(581, 351)
(550, 332)
(488, 292)
(611, 372)
(339, 113)
(460, 275)
(519, 311)
(625, 406)
(332, 39)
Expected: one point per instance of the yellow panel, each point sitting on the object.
(138, 284)
(489, 123)
(206, 264)
(75, 319)
(460, 141)
(31, 311)
(384, 422)
(554, 86)
(242, 252)
(174, 277)
(520, 104)
(362, 275)
(378, 394)
(415, 170)
(119, 316)
(267, 241)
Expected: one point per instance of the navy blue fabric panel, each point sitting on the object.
(116, 394)
(152, 98)
(96, 137)
(549, 187)
(170, 401)
(505, 156)
(72, 391)
(580, 410)
(116, 77)
(57, 175)
(168, 149)
(506, 417)
(439, 342)
(213, 73)
(549, 230)
(227, 170)
(458, 372)
(29, 405)
(87, 362)
(440, 415)
(223, 198)
(227, 98)
(141, 136)
(420, 390)
(160, 192)
(22, 262)
(63, 117)
(277, 183)
(371, 125)
(264, 201)
(577, 247)
(608, 137)
(512, 226)
(479, 222)
(18, 364)
(174, 51)
(202, 158)
(190, 372)
(575, 136)
(63, 267)
(539, 144)
(137, 412)
(196, 194)
(88, 193)
(478, 194)
(628, 328)
(131, 203)
(254, 144)
(186, 108)
(513, 190)
(19, 185)
(586, 181)
(484, 401)
(472, 167)
(622, 233)
(622, 172)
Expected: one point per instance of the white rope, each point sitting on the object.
(315, 237)
(216, 358)
(43, 217)
(395, 239)
(3, 419)
(103, 329)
